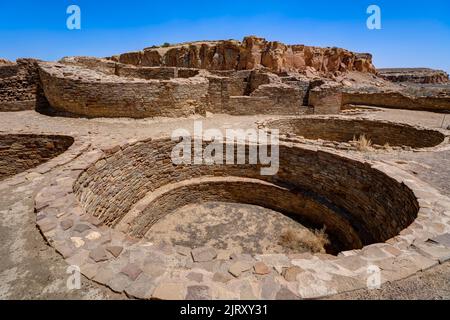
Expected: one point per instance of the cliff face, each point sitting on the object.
(5, 62)
(251, 53)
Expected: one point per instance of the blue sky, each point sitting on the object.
(414, 33)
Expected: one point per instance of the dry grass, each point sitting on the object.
(305, 239)
(362, 143)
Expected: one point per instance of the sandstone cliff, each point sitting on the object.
(5, 62)
(251, 53)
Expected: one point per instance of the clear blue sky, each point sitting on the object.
(415, 33)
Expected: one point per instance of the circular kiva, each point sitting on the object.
(21, 152)
(373, 211)
(342, 130)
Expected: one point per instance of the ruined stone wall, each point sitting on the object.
(218, 94)
(376, 206)
(238, 190)
(92, 94)
(158, 73)
(20, 86)
(397, 100)
(249, 54)
(273, 98)
(19, 153)
(326, 99)
(92, 63)
(344, 130)
(238, 82)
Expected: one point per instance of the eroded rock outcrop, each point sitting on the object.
(5, 62)
(414, 75)
(251, 53)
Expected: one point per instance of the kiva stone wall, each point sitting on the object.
(376, 206)
(397, 100)
(297, 205)
(344, 130)
(19, 153)
(89, 93)
(20, 86)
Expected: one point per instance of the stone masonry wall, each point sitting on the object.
(20, 86)
(326, 99)
(375, 205)
(89, 93)
(248, 191)
(19, 153)
(344, 130)
(397, 100)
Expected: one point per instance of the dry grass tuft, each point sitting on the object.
(305, 239)
(362, 143)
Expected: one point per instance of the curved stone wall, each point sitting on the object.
(91, 93)
(376, 206)
(20, 152)
(298, 205)
(397, 100)
(344, 130)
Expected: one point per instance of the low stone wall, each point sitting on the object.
(299, 206)
(92, 94)
(273, 98)
(344, 130)
(376, 206)
(92, 63)
(20, 86)
(123, 70)
(158, 73)
(251, 105)
(397, 100)
(19, 153)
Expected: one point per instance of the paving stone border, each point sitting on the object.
(160, 271)
(399, 136)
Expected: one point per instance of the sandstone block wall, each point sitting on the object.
(397, 100)
(20, 86)
(326, 99)
(258, 93)
(92, 94)
(19, 153)
(138, 222)
(92, 63)
(344, 130)
(376, 206)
